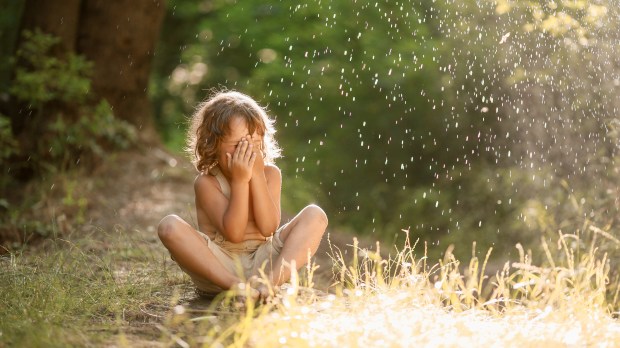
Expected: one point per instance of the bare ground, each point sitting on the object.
(130, 193)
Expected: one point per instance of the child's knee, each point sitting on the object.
(317, 215)
(168, 227)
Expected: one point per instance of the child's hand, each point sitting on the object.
(241, 163)
(259, 163)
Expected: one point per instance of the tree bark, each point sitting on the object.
(56, 17)
(119, 37)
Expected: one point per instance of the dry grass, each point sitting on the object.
(404, 301)
(126, 293)
(114, 285)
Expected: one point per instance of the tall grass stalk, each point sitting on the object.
(399, 300)
(86, 293)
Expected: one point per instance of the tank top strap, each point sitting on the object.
(221, 179)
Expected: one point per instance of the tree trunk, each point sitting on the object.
(9, 32)
(56, 17)
(119, 37)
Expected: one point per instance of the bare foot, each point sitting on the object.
(260, 285)
(243, 291)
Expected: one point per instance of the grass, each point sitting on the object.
(402, 302)
(77, 292)
(122, 291)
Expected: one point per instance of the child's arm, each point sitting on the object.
(230, 219)
(265, 186)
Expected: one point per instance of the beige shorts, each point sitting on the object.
(243, 259)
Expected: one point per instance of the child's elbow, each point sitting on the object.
(233, 235)
(268, 231)
(235, 239)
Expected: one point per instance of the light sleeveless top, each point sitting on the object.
(221, 179)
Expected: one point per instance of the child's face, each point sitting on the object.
(238, 129)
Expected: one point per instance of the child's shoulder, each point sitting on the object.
(272, 172)
(204, 181)
(273, 169)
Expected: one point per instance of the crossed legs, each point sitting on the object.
(191, 251)
(301, 235)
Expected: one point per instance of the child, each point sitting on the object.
(238, 203)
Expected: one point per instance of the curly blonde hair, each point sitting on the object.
(211, 121)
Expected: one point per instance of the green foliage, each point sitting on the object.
(76, 294)
(564, 145)
(44, 78)
(48, 207)
(353, 104)
(456, 120)
(60, 127)
(8, 143)
(91, 135)
(71, 200)
(65, 126)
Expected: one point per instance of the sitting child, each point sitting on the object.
(238, 203)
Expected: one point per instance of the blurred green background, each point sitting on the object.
(457, 121)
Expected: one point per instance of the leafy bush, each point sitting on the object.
(42, 77)
(59, 127)
(64, 126)
(89, 135)
(8, 143)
